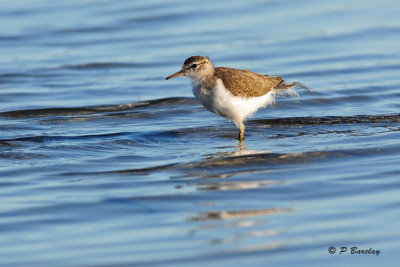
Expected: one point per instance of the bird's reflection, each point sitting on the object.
(242, 145)
(239, 171)
(251, 221)
(242, 151)
(239, 151)
(237, 214)
(236, 185)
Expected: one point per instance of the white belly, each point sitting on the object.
(224, 103)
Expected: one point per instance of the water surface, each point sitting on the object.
(103, 162)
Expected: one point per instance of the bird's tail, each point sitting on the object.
(289, 89)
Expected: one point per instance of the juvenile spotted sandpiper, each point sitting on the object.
(232, 93)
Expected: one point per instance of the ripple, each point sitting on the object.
(41, 139)
(103, 163)
(49, 112)
(111, 65)
(342, 71)
(328, 120)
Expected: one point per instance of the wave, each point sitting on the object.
(173, 101)
(253, 160)
(68, 111)
(329, 120)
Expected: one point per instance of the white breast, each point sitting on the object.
(224, 103)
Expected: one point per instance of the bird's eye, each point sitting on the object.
(194, 66)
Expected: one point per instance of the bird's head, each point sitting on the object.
(196, 68)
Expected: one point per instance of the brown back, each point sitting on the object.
(246, 83)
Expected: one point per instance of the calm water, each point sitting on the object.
(104, 163)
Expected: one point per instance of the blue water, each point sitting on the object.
(104, 163)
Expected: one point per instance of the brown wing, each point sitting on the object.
(246, 83)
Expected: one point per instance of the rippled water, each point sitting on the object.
(103, 162)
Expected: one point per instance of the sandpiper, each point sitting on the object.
(234, 94)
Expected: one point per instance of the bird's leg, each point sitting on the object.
(241, 131)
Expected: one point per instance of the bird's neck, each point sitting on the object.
(206, 80)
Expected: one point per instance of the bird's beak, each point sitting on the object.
(179, 73)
